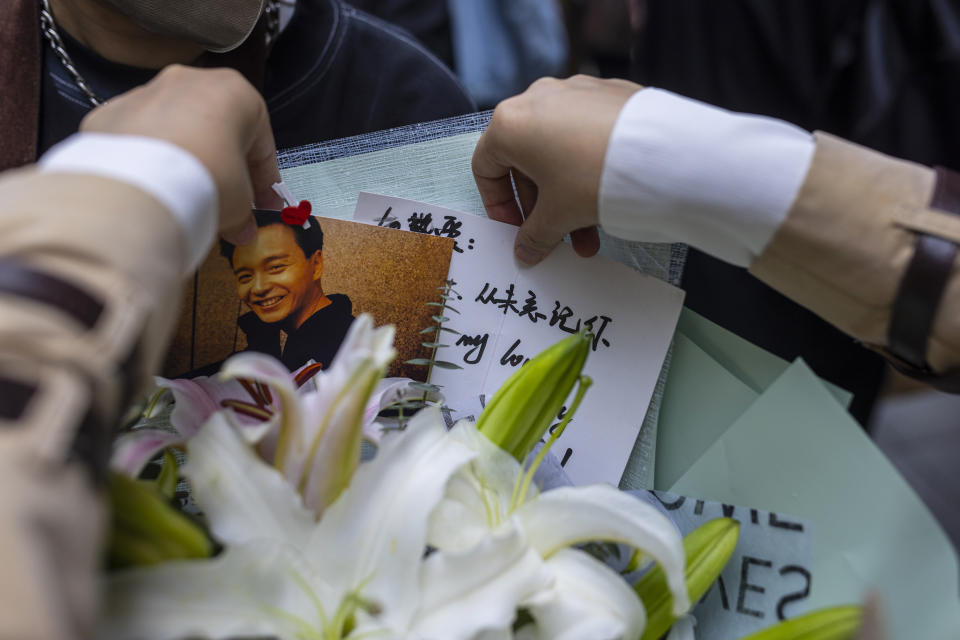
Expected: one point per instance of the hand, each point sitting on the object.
(216, 115)
(552, 139)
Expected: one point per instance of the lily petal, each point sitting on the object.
(364, 338)
(478, 591)
(195, 400)
(388, 391)
(251, 590)
(589, 601)
(268, 370)
(334, 452)
(242, 497)
(682, 629)
(477, 498)
(375, 533)
(571, 515)
(134, 449)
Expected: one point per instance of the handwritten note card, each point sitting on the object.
(509, 313)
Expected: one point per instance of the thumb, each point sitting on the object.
(538, 234)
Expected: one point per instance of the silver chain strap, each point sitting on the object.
(49, 30)
(272, 14)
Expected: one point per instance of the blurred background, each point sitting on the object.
(882, 73)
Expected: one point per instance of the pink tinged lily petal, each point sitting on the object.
(334, 452)
(198, 399)
(288, 423)
(572, 515)
(374, 535)
(249, 590)
(243, 498)
(477, 591)
(588, 601)
(133, 450)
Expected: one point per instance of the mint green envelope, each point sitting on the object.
(796, 450)
(700, 401)
(752, 365)
(714, 377)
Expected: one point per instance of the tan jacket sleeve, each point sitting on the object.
(89, 268)
(850, 237)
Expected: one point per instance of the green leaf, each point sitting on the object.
(433, 345)
(419, 362)
(833, 623)
(707, 549)
(439, 319)
(423, 386)
(442, 305)
(443, 364)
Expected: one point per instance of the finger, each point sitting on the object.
(586, 241)
(526, 191)
(538, 235)
(262, 164)
(242, 234)
(872, 625)
(493, 182)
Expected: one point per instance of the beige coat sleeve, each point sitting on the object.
(89, 268)
(849, 238)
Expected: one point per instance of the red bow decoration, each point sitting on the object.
(298, 214)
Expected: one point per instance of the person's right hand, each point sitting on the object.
(217, 116)
(553, 140)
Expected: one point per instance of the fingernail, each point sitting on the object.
(527, 255)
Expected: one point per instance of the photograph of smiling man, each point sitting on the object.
(279, 278)
(293, 292)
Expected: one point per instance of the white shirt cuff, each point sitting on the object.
(163, 170)
(678, 170)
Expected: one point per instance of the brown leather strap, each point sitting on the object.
(921, 289)
(15, 395)
(20, 70)
(20, 280)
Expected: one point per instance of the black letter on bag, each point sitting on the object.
(746, 586)
(796, 595)
(784, 524)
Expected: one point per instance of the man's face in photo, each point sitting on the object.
(274, 277)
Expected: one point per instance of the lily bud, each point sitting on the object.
(146, 530)
(832, 623)
(528, 402)
(707, 549)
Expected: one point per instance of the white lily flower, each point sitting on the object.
(314, 438)
(483, 499)
(359, 572)
(309, 422)
(588, 600)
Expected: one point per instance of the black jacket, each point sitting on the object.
(333, 72)
(317, 339)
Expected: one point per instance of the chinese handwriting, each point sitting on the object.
(422, 222)
(561, 316)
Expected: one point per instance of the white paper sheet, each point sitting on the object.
(509, 312)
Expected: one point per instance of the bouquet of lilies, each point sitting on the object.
(442, 535)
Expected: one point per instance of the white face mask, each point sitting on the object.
(216, 25)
